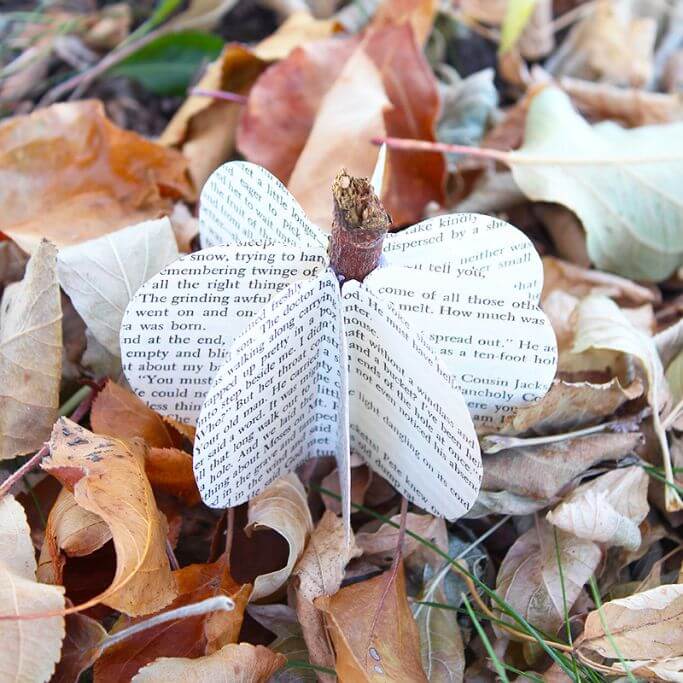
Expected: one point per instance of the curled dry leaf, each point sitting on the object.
(30, 355)
(70, 162)
(72, 531)
(647, 625)
(542, 471)
(379, 642)
(614, 179)
(170, 470)
(101, 275)
(243, 663)
(320, 572)
(282, 507)
(529, 576)
(571, 405)
(189, 637)
(608, 509)
(31, 648)
(107, 478)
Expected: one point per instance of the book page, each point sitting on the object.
(278, 399)
(178, 328)
(469, 245)
(408, 420)
(242, 202)
(501, 350)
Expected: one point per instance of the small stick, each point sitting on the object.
(172, 559)
(358, 228)
(220, 95)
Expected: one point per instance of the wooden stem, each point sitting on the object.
(358, 228)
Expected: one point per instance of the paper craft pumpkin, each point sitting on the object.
(450, 313)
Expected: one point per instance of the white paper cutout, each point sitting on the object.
(279, 398)
(495, 373)
(408, 421)
(178, 328)
(242, 202)
(473, 246)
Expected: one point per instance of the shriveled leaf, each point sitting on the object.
(441, 646)
(101, 275)
(243, 663)
(380, 641)
(82, 646)
(669, 669)
(30, 648)
(30, 355)
(70, 162)
(117, 411)
(607, 509)
(543, 471)
(320, 572)
(571, 405)
(189, 637)
(381, 542)
(615, 180)
(647, 625)
(107, 478)
(71, 531)
(282, 507)
(529, 576)
(601, 325)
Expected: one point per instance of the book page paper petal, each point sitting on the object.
(470, 245)
(409, 422)
(278, 398)
(500, 350)
(242, 202)
(178, 327)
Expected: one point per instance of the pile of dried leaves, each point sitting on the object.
(563, 117)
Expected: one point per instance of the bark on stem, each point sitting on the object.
(358, 228)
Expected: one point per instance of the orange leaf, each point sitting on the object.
(91, 177)
(379, 642)
(170, 470)
(190, 637)
(107, 478)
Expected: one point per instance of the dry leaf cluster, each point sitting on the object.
(563, 117)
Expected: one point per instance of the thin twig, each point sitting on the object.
(172, 559)
(29, 465)
(220, 95)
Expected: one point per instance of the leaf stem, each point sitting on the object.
(219, 95)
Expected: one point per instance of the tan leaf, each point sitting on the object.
(107, 478)
(381, 542)
(70, 162)
(670, 669)
(72, 530)
(170, 470)
(607, 509)
(101, 275)
(30, 648)
(119, 412)
(581, 282)
(419, 13)
(373, 631)
(282, 507)
(320, 572)
(647, 625)
(571, 405)
(30, 355)
(243, 663)
(543, 471)
(529, 576)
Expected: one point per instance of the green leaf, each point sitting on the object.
(626, 186)
(517, 16)
(167, 65)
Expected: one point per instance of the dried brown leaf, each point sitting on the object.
(82, 646)
(70, 162)
(30, 648)
(282, 507)
(529, 577)
(378, 641)
(320, 572)
(243, 663)
(30, 354)
(107, 478)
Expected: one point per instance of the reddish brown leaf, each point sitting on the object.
(81, 647)
(189, 637)
(170, 470)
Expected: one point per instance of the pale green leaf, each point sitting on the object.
(626, 186)
(517, 16)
